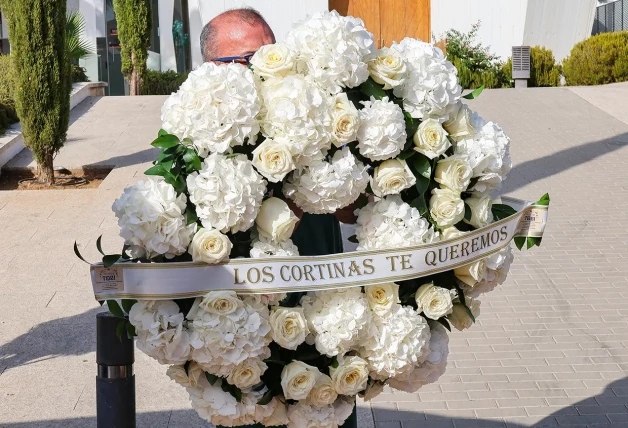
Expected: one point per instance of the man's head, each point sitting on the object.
(236, 32)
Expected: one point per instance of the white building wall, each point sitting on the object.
(502, 22)
(555, 24)
(558, 24)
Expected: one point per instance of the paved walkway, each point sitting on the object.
(551, 347)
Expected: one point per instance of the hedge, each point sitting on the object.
(7, 88)
(162, 83)
(598, 60)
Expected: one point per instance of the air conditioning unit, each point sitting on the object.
(521, 65)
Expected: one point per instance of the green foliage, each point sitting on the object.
(471, 55)
(134, 27)
(598, 60)
(543, 68)
(162, 83)
(79, 74)
(493, 77)
(37, 29)
(8, 114)
(77, 47)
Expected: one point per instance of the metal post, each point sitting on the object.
(115, 383)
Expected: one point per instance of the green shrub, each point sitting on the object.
(598, 60)
(473, 56)
(543, 68)
(162, 83)
(79, 74)
(7, 89)
(493, 77)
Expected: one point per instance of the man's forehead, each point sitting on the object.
(236, 37)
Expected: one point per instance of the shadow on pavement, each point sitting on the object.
(73, 335)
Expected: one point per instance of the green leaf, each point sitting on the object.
(266, 398)
(191, 159)
(466, 308)
(422, 184)
(422, 165)
(334, 363)
(233, 390)
(501, 211)
(190, 216)
(162, 133)
(520, 241)
(531, 242)
(156, 170)
(419, 204)
(474, 94)
(111, 259)
(78, 253)
(99, 245)
(211, 378)
(127, 304)
(467, 212)
(130, 331)
(370, 88)
(115, 309)
(353, 239)
(120, 329)
(167, 165)
(445, 323)
(406, 155)
(545, 200)
(165, 141)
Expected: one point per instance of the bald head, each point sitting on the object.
(236, 32)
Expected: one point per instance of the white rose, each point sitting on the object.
(323, 392)
(345, 120)
(273, 60)
(431, 139)
(289, 327)
(247, 373)
(459, 316)
(298, 379)
(451, 232)
(481, 210)
(351, 376)
(453, 173)
(472, 273)
(391, 177)
(388, 68)
(210, 246)
(275, 220)
(220, 302)
(191, 378)
(446, 207)
(278, 417)
(434, 302)
(460, 125)
(273, 160)
(382, 297)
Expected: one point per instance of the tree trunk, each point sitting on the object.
(134, 83)
(46, 170)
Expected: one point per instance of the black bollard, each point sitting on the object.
(115, 383)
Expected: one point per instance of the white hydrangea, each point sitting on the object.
(391, 223)
(397, 342)
(497, 265)
(160, 331)
(297, 113)
(431, 89)
(324, 187)
(226, 330)
(227, 192)
(221, 408)
(265, 247)
(216, 107)
(382, 132)
(152, 221)
(337, 318)
(333, 49)
(302, 415)
(432, 368)
(489, 156)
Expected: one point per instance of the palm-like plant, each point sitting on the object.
(77, 47)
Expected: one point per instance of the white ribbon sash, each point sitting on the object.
(157, 281)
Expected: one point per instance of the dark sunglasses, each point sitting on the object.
(246, 59)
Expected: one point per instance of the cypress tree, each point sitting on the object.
(134, 27)
(43, 77)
